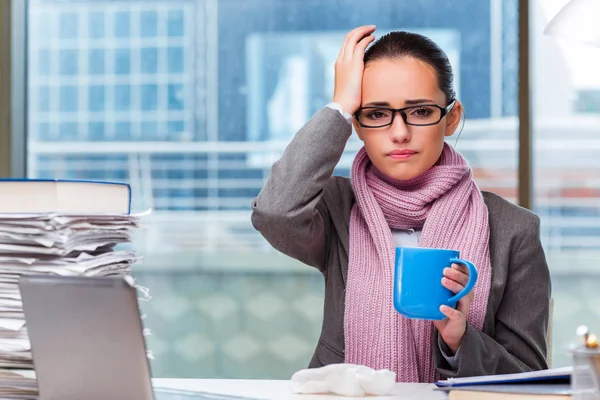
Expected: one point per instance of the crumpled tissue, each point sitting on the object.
(343, 379)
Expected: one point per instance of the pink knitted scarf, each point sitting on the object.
(447, 205)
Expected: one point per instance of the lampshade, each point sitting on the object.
(579, 20)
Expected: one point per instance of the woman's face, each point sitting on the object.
(403, 151)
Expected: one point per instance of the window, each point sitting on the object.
(150, 60)
(176, 100)
(175, 60)
(96, 61)
(175, 23)
(213, 91)
(122, 61)
(122, 24)
(149, 97)
(96, 25)
(566, 89)
(68, 62)
(175, 129)
(68, 99)
(150, 130)
(96, 98)
(96, 132)
(149, 24)
(68, 131)
(68, 23)
(122, 131)
(122, 97)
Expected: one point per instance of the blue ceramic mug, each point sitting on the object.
(418, 290)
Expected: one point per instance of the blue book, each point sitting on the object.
(26, 196)
(555, 375)
(517, 391)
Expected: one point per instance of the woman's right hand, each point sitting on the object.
(349, 68)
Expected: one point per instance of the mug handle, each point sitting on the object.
(472, 279)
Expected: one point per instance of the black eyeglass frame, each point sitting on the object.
(443, 112)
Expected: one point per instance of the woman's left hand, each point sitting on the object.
(452, 329)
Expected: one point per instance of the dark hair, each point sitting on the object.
(400, 44)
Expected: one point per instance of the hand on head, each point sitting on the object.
(349, 68)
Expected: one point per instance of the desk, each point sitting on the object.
(279, 390)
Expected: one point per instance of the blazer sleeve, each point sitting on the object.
(289, 211)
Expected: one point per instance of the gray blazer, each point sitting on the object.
(304, 212)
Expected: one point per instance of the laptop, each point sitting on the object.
(87, 340)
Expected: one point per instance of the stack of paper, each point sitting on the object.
(62, 244)
(18, 385)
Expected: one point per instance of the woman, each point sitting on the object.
(408, 188)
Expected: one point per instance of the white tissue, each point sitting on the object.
(344, 379)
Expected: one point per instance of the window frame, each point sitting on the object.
(13, 88)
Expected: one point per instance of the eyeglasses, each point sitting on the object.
(421, 115)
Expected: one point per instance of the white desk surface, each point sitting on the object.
(279, 390)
